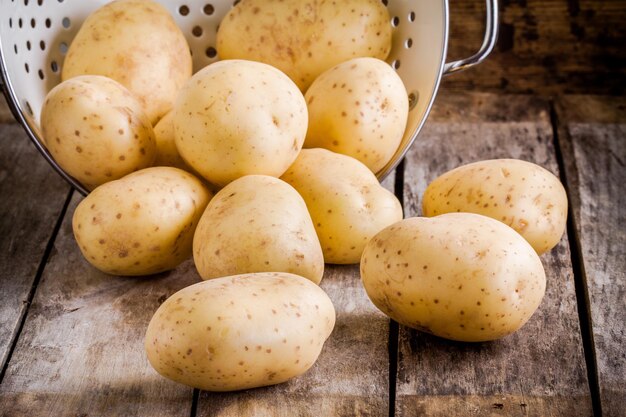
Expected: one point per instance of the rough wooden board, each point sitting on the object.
(5, 113)
(542, 365)
(545, 47)
(351, 376)
(593, 133)
(32, 197)
(81, 349)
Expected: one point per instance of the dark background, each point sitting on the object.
(545, 47)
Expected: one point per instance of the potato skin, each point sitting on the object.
(141, 224)
(460, 276)
(358, 108)
(167, 154)
(240, 332)
(304, 38)
(236, 118)
(96, 130)
(348, 205)
(137, 43)
(520, 194)
(257, 224)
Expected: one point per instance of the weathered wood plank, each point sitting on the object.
(32, 197)
(5, 113)
(545, 47)
(538, 371)
(351, 376)
(593, 133)
(81, 349)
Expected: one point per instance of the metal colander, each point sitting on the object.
(35, 36)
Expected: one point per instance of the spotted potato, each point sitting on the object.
(358, 108)
(240, 332)
(137, 43)
(304, 38)
(141, 224)
(520, 194)
(257, 224)
(347, 203)
(96, 130)
(236, 118)
(461, 276)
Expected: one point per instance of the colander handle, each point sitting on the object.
(491, 35)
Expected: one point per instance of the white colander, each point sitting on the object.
(35, 36)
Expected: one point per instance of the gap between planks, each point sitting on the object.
(578, 267)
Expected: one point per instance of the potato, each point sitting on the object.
(96, 130)
(520, 194)
(137, 43)
(257, 224)
(167, 154)
(460, 276)
(347, 204)
(236, 118)
(240, 332)
(141, 224)
(304, 38)
(358, 108)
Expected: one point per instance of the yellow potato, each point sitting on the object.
(304, 38)
(236, 118)
(96, 130)
(460, 276)
(520, 194)
(167, 154)
(240, 332)
(137, 43)
(141, 224)
(347, 204)
(358, 108)
(257, 224)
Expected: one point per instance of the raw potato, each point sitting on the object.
(460, 276)
(347, 204)
(304, 38)
(236, 118)
(96, 130)
(137, 43)
(142, 224)
(520, 194)
(358, 108)
(257, 224)
(240, 332)
(167, 154)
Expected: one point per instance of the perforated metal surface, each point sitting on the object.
(35, 35)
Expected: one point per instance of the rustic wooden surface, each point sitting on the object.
(81, 349)
(593, 131)
(545, 47)
(5, 113)
(537, 371)
(32, 198)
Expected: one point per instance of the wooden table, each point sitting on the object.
(71, 338)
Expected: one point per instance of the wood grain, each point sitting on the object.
(545, 47)
(351, 376)
(538, 371)
(81, 349)
(5, 113)
(32, 197)
(593, 133)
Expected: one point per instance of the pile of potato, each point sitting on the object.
(212, 165)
